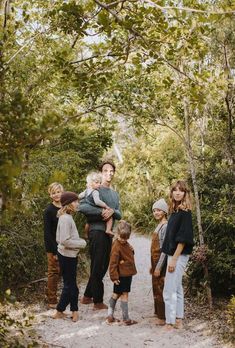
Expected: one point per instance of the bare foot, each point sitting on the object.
(160, 322)
(129, 322)
(110, 233)
(168, 327)
(179, 324)
(99, 306)
(59, 315)
(75, 316)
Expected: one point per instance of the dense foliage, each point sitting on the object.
(72, 70)
(67, 159)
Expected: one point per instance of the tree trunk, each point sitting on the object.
(196, 194)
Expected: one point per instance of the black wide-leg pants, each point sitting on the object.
(69, 295)
(100, 247)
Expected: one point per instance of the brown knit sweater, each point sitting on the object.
(122, 263)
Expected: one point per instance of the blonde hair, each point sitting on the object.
(185, 204)
(55, 186)
(93, 177)
(67, 209)
(123, 229)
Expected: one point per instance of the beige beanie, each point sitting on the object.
(161, 204)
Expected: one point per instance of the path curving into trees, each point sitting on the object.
(91, 331)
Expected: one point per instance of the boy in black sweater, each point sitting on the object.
(50, 225)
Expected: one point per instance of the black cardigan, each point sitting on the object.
(50, 225)
(179, 230)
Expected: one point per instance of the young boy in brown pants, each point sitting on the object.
(50, 225)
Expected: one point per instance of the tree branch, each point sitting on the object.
(118, 19)
(6, 13)
(164, 124)
(22, 47)
(65, 121)
(188, 9)
(97, 56)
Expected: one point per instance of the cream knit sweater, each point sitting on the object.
(67, 237)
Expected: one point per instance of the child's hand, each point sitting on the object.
(150, 270)
(156, 273)
(117, 282)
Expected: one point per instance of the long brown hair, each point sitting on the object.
(185, 204)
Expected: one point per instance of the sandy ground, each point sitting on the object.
(92, 331)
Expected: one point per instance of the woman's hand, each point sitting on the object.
(117, 282)
(172, 265)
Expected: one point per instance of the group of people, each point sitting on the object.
(172, 243)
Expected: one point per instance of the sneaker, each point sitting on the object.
(99, 306)
(86, 300)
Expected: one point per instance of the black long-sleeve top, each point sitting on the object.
(179, 230)
(50, 225)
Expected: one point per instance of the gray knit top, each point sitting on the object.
(67, 237)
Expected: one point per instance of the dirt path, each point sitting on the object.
(92, 331)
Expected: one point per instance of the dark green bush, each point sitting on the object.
(67, 159)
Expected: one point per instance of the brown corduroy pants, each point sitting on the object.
(159, 306)
(157, 282)
(53, 275)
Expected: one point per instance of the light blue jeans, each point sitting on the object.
(173, 290)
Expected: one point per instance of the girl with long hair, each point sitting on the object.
(177, 246)
(69, 244)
